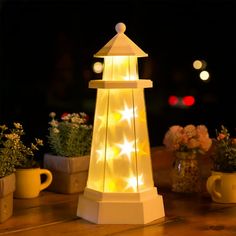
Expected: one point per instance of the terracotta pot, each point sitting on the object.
(222, 187)
(69, 173)
(7, 187)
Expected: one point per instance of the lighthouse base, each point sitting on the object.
(120, 208)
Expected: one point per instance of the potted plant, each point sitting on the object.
(7, 172)
(69, 142)
(187, 143)
(221, 185)
(27, 170)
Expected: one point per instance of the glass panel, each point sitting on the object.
(97, 157)
(120, 68)
(144, 164)
(121, 161)
(120, 154)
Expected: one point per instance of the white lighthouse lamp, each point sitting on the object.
(120, 187)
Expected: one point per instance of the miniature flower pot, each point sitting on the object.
(29, 182)
(69, 173)
(222, 187)
(7, 187)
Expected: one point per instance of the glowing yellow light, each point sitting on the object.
(111, 186)
(133, 182)
(127, 148)
(101, 154)
(204, 75)
(197, 64)
(131, 77)
(142, 149)
(128, 114)
(98, 67)
(119, 59)
(103, 122)
(109, 154)
(113, 118)
(142, 116)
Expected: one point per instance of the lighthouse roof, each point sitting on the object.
(120, 45)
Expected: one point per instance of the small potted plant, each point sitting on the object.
(7, 173)
(222, 183)
(27, 170)
(69, 142)
(187, 143)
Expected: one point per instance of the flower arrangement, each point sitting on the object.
(190, 138)
(186, 142)
(224, 151)
(70, 136)
(13, 152)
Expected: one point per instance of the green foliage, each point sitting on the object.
(13, 152)
(71, 136)
(224, 152)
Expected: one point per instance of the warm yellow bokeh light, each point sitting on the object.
(97, 67)
(204, 75)
(197, 64)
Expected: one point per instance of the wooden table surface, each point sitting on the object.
(55, 214)
(185, 214)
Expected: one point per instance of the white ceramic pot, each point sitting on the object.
(222, 187)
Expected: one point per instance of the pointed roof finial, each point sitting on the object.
(120, 45)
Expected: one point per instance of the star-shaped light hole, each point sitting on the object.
(103, 122)
(128, 114)
(134, 181)
(127, 148)
(110, 153)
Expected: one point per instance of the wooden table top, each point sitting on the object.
(185, 214)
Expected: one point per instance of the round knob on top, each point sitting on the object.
(120, 27)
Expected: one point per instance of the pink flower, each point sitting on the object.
(190, 131)
(64, 115)
(233, 140)
(188, 138)
(221, 136)
(193, 143)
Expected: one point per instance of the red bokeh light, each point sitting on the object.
(188, 101)
(173, 100)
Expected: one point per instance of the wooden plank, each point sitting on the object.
(46, 209)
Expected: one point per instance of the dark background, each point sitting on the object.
(47, 50)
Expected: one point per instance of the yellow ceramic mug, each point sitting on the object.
(28, 182)
(222, 187)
